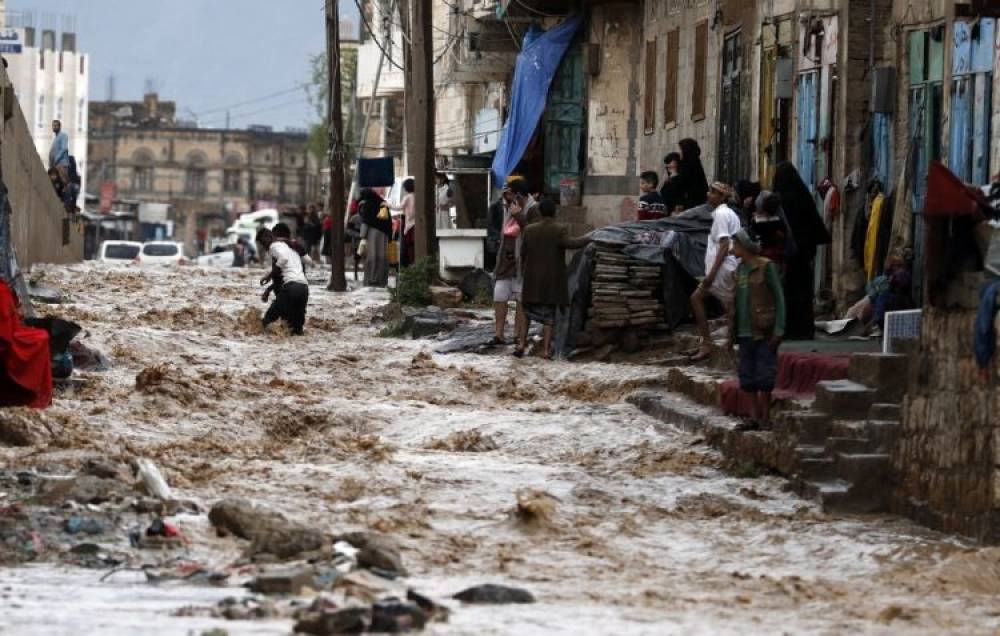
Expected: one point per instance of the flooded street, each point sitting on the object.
(635, 527)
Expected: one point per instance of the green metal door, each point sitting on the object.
(564, 121)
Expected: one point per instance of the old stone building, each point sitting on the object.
(140, 151)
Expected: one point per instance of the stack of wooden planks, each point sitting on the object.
(623, 290)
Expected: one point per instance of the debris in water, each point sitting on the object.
(152, 480)
(269, 532)
(535, 508)
(471, 441)
(492, 594)
(251, 322)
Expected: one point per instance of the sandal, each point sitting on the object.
(497, 342)
(518, 353)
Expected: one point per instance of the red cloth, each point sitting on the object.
(948, 196)
(798, 374)
(26, 379)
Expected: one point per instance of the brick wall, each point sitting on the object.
(946, 457)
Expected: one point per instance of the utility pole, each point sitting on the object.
(335, 129)
(420, 123)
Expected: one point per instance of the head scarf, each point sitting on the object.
(800, 208)
(694, 184)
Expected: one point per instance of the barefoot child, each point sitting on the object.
(758, 324)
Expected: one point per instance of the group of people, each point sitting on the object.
(383, 234)
(759, 266)
(528, 248)
(682, 186)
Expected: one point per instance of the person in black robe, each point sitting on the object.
(690, 186)
(671, 166)
(808, 232)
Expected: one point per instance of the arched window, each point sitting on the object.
(232, 174)
(143, 171)
(194, 175)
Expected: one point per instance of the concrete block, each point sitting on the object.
(885, 412)
(844, 398)
(884, 372)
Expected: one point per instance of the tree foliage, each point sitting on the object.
(319, 95)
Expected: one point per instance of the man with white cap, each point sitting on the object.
(720, 265)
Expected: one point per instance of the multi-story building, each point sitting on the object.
(51, 79)
(141, 152)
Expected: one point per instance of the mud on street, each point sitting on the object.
(483, 469)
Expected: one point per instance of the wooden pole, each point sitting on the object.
(335, 128)
(420, 124)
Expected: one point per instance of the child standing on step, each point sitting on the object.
(757, 325)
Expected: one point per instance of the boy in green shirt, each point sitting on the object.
(758, 325)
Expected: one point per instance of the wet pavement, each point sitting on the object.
(643, 532)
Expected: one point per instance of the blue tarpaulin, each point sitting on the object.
(536, 66)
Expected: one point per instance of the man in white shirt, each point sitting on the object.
(720, 265)
(290, 284)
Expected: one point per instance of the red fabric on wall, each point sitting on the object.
(798, 374)
(26, 377)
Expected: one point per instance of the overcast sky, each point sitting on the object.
(206, 55)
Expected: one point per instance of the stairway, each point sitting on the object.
(841, 457)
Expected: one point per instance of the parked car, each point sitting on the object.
(221, 258)
(161, 253)
(119, 251)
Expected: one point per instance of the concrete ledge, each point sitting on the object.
(759, 448)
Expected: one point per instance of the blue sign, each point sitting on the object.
(10, 41)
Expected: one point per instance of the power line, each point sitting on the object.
(371, 31)
(262, 98)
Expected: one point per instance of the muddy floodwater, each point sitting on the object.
(640, 529)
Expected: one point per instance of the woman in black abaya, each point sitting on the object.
(690, 184)
(808, 232)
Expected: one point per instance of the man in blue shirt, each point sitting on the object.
(59, 152)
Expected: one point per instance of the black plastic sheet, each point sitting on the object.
(682, 260)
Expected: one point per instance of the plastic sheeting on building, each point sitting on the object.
(536, 66)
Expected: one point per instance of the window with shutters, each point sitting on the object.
(672, 62)
(700, 70)
(650, 102)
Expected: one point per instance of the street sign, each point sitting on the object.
(10, 41)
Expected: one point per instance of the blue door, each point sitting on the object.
(564, 121)
(807, 131)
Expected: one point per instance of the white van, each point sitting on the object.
(162, 253)
(119, 251)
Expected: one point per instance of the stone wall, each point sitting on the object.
(946, 457)
(41, 229)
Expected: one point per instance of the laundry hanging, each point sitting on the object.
(871, 239)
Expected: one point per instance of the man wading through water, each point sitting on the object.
(289, 283)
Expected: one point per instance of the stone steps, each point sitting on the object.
(878, 434)
(885, 411)
(817, 468)
(844, 398)
(885, 372)
(836, 445)
(804, 426)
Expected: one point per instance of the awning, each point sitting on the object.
(536, 66)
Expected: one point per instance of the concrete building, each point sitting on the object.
(40, 229)
(208, 176)
(385, 104)
(51, 79)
